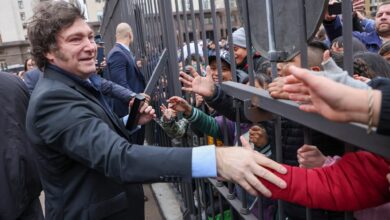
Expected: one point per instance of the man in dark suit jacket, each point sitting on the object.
(20, 186)
(88, 168)
(122, 69)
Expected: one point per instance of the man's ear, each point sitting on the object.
(315, 68)
(49, 56)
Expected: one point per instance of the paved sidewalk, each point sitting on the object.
(152, 209)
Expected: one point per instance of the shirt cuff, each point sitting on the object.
(204, 162)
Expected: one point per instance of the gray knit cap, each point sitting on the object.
(239, 37)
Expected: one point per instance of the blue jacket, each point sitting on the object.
(121, 69)
(371, 40)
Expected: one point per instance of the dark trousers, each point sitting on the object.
(33, 211)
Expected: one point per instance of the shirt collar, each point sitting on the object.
(125, 46)
(92, 83)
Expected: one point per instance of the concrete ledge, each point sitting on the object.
(167, 200)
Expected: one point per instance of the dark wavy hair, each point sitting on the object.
(370, 65)
(50, 17)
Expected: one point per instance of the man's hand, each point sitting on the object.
(358, 6)
(310, 157)
(258, 136)
(147, 97)
(275, 88)
(244, 166)
(147, 113)
(203, 86)
(181, 105)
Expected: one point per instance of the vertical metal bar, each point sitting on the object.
(304, 64)
(195, 35)
(205, 49)
(159, 26)
(186, 31)
(278, 129)
(198, 209)
(220, 206)
(348, 53)
(211, 195)
(178, 22)
(271, 36)
(171, 46)
(216, 39)
(230, 40)
(248, 43)
(347, 36)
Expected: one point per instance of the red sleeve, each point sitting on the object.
(355, 182)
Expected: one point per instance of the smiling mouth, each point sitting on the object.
(87, 59)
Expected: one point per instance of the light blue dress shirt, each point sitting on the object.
(204, 162)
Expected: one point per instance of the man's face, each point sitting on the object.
(382, 20)
(239, 54)
(226, 73)
(76, 50)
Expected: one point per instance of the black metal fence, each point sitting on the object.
(164, 32)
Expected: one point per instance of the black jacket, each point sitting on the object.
(19, 179)
(88, 168)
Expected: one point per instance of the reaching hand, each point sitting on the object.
(203, 86)
(358, 6)
(181, 105)
(198, 100)
(168, 113)
(232, 167)
(361, 78)
(258, 136)
(275, 88)
(310, 157)
(332, 100)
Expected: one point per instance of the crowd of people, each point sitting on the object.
(64, 123)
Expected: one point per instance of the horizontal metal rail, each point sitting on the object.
(352, 133)
(235, 203)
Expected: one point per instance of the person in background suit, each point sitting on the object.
(88, 167)
(20, 186)
(123, 70)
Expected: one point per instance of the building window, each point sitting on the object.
(233, 4)
(20, 4)
(99, 16)
(3, 65)
(188, 5)
(24, 25)
(22, 16)
(206, 4)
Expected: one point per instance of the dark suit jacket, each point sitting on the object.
(31, 78)
(19, 178)
(123, 71)
(85, 160)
